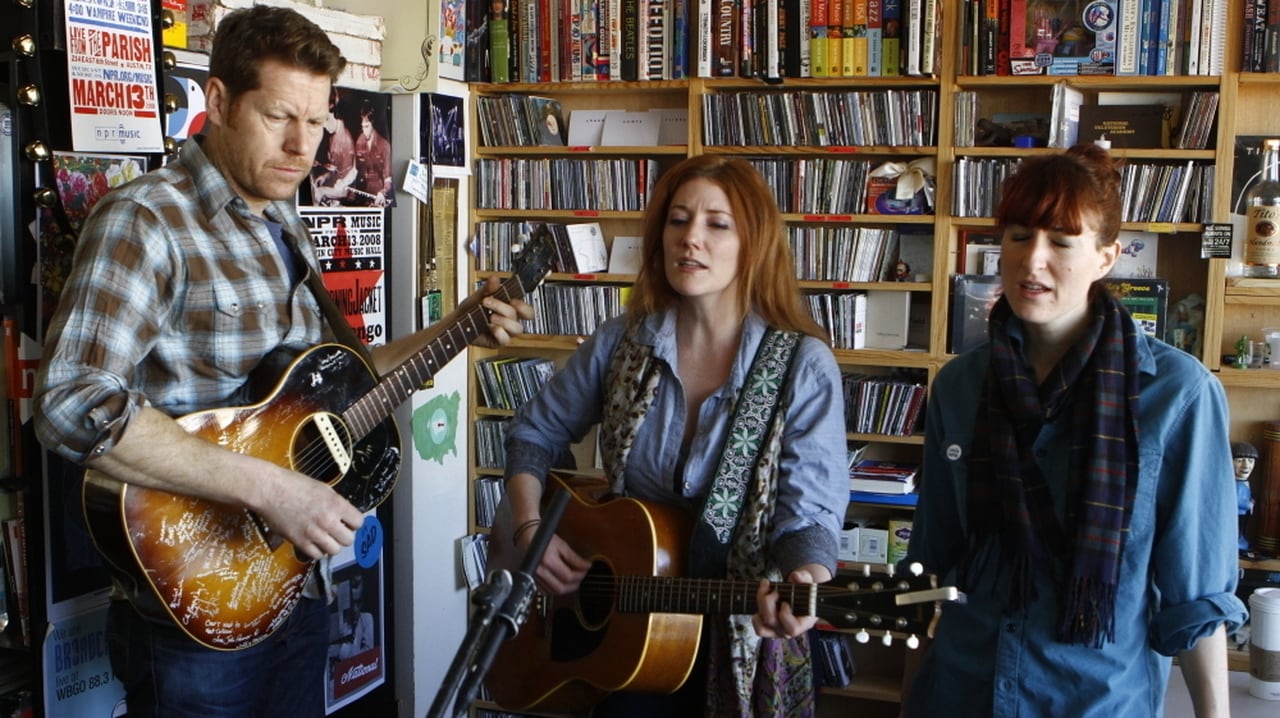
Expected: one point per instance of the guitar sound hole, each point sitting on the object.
(320, 444)
(577, 633)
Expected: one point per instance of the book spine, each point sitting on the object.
(799, 19)
(1019, 49)
(678, 38)
(1128, 36)
(988, 36)
(856, 62)
(590, 41)
(746, 38)
(725, 57)
(875, 38)
(930, 40)
(818, 12)
(835, 37)
(615, 39)
(1004, 39)
(1271, 46)
(1259, 34)
(604, 49)
(630, 67)
(705, 40)
(891, 42)
(1162, 38)
(499, 49)
(655, 66)
(477, 51)
(528, 42)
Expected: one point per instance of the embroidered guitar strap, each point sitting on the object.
(729, 537)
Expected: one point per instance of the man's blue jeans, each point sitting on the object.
(168, 675)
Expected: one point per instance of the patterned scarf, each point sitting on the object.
(746, 676)
(1097, 380)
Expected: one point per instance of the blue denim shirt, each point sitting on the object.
(813, 487)
(1178, 575)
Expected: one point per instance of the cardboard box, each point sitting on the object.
(899, 537)
(848, 550)
(359, 37)
(873, 545)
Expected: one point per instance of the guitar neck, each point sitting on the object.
(668, 594)
(397, 385)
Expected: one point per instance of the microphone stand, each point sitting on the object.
(503, 605)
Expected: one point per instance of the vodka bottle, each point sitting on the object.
(1262, 233)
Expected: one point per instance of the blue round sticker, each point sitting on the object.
(368, 546)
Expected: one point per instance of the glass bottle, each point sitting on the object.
(1262, 229)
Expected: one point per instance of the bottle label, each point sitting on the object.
(1262, 243)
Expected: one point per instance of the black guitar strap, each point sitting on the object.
(342, 330)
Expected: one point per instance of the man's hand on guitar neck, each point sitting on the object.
(774, 618)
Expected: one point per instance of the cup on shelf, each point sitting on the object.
(1264, 644)
(1272, 335)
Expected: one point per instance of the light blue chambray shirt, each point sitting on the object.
(813, 487)
(1178, 575)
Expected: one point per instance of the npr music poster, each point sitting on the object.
(350, 244)
(111, 76)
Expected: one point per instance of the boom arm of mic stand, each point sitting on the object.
(504, 600)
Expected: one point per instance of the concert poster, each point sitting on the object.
(78, 680)
(185, 83)
(443, 138)
(111, 77)
(357, 646)
(349, 243)
(352, 167)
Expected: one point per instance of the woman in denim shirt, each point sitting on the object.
(1072, 484)
(717, 275)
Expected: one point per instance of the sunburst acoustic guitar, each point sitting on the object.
(217, 571)
(634, 624)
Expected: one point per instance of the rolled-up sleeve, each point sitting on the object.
(1194, 558)
(108, 315)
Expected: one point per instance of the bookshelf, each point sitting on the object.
(1249, 105)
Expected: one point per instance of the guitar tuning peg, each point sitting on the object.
(916, 568)
(913, 641)
(887, 639)
(866, 570)
(862, 636)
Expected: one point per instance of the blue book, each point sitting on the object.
(867, 497)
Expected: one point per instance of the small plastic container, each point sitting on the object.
(1264, 644)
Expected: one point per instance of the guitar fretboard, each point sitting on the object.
(400, 383)
(667, 594)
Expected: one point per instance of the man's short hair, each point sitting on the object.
(247, 37)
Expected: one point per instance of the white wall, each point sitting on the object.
(430, 604)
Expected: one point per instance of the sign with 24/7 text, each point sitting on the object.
(111, 76)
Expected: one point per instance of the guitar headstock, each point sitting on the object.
(533, 263)
(884, 604)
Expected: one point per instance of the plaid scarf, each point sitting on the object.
(1097, 380)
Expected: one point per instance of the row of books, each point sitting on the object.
(1260, 46)
(516, 120)
(1094, 37)
(491, 433)
(883, 118)
(882, 405)
(488, 492)
(1167, 192)
(827, 186)
(883, 477)
(609, 185)
(573, 309)
(581, 247)
(507, 382)
(595, 40)
(843, 315)
(843, 253)
(1152, 191)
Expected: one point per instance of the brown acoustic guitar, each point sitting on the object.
(634, 624)
(216, 570)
